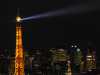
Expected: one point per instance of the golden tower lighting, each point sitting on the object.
(19, 57)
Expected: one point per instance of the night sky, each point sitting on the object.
(48, 32)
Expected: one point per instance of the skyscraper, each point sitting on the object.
(78, 62)
(90, 60)
(69, 71)
(60, 57)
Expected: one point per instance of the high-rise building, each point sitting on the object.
(90, 60)
(78, 60)
(69, 71)
(60, 57)
(78, 56)
(40, 60)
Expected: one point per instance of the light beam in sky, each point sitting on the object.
(83, 8)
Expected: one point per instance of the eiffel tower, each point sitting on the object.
(19, 57)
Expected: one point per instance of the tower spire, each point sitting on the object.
(18, 18)
(19, 57)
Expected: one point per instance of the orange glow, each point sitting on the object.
(19, 58)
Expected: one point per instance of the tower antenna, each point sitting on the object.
(18, 18)
(18, 12)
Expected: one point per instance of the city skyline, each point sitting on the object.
(50, 37)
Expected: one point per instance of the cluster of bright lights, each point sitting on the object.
(89, 57)
(75, 46)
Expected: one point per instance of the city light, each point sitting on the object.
(72, 46)
(75, 46)
(89, 56)
(78, 49)
(36, 65)
(61, 50)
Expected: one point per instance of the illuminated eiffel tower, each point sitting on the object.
(19, 58)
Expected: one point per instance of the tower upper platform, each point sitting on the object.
(18, 19)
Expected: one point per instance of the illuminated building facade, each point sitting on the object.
(69, 71)
(78, 60)
(90, 60)
(60, 57)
